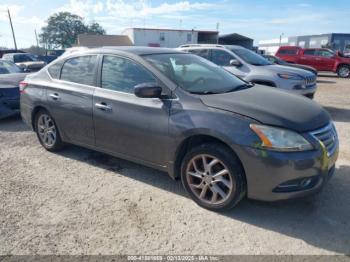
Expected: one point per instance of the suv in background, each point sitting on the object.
(254, 68)
(322, 59)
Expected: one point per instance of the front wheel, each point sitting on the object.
(47, 132)
(344, 71)
(213, 177)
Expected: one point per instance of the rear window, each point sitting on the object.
(287, 51)
(205, 53)
(80, 70)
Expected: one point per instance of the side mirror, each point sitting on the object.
(235, 62)
(148, 90)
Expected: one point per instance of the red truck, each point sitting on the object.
(322, 59)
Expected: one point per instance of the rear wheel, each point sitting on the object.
(213, 177)
(47, 131)
(344, 71)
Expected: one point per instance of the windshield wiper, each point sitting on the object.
(204, 93)
(240, 87)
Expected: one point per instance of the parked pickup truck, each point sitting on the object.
(322, 59)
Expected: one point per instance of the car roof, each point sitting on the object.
(137, 50)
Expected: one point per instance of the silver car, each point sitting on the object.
(254, 68)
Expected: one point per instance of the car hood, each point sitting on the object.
(280, 69)
(305, 67)
(11, 80)
(271, 107)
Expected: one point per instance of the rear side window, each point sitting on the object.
(55, 70)
(287, 51)
(80, 70)
(309, 52)
(123, 75)
(205, 53)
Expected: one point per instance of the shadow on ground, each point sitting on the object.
(326, 82)
(13, 124)
(322, 220)
(338, 114)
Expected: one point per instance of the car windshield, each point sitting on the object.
(9, 68)
(195, 74)
(250, 57)
(23, 58)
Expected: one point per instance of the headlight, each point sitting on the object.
(279, 139)
(290, 77)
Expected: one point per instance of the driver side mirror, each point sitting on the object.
(148, 90)
(235, 62)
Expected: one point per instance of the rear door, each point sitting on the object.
(125, 124)
(70, 98)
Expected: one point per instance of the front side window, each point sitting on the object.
(123, 75)
(195, 74)
(80, 70)
(325, 53)
(221, 57)
(250, 57)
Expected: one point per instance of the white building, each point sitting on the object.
(271, 46)
(169, 37)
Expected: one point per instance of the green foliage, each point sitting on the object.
(63, 29)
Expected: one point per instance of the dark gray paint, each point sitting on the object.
(151, 131)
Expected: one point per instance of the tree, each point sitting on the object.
(63, 29)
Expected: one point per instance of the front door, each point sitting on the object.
(125, 124)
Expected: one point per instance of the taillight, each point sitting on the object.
(22, 86)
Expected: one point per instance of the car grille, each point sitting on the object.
(328, 136)
(310, 80)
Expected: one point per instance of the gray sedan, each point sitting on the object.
(177, 112)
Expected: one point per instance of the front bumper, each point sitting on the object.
(267, 170)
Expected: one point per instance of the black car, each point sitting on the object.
(177, 112)
(278, 61)
(10, 77)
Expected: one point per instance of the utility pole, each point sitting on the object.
(281, 35)
(36, 37)
(13, 33)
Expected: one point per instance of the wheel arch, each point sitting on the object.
(196, 140)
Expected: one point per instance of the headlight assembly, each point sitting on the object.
(290, 76)
(279, 139)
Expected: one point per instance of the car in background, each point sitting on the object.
(7, 51)
(323, 59)
(25, 61)
(279, 61)
(182, 114)
(254, 68)
(10, 77)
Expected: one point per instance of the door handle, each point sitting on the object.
(55, 96)
(103, 106)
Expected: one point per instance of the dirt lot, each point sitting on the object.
(82, 202)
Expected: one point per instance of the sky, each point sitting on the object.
(257, 19)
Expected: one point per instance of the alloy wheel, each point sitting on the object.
(344, 71)
(209, 179)
(47, 130)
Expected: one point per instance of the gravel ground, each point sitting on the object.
(83, 202)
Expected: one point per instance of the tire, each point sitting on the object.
(344, 71)
(47, 131)
(217, 196)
